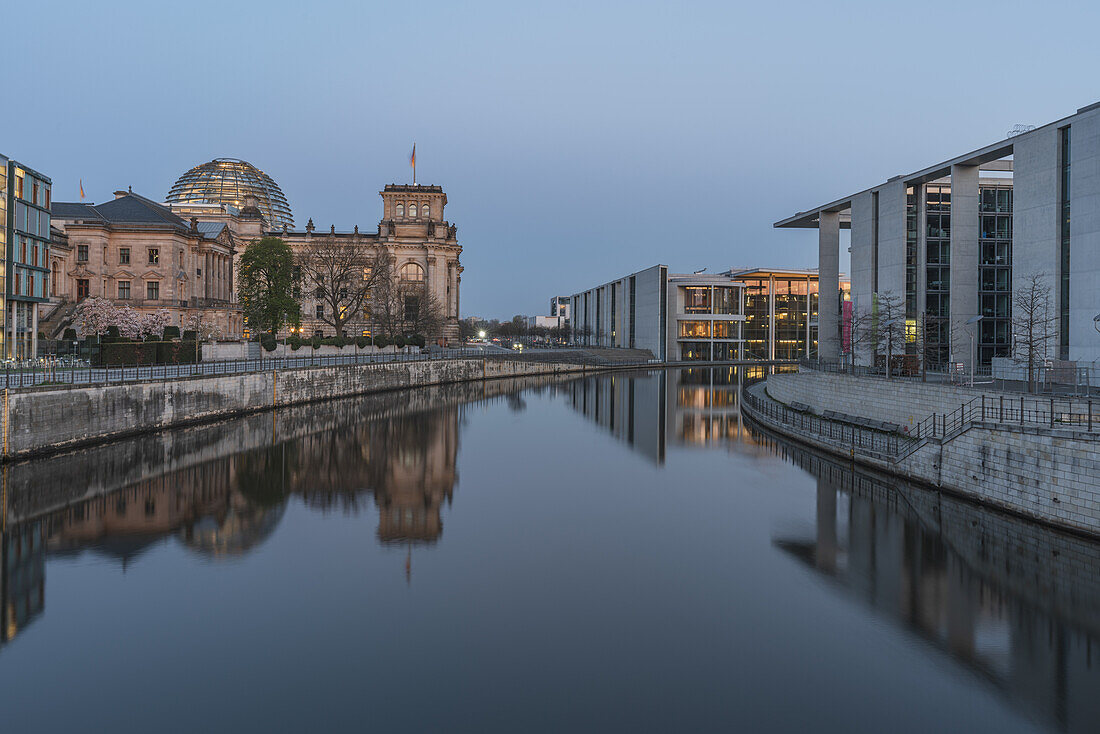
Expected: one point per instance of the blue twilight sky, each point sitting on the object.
(577, 141)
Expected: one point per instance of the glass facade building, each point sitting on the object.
(995, 272)
(26, 242)
(233, 182)
(781, 309)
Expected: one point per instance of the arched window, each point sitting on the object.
(412, 209)
(412, 273)
(400, 209)
(425, 211)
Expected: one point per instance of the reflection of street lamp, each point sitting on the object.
(973, 356)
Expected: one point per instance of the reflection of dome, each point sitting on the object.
(230, 181)
(240, 530)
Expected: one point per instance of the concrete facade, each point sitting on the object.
(1031, 164)
(676, 317)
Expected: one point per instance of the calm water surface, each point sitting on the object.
(618, 553)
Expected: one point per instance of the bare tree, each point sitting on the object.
(888, 327)
(1033, 324)
(404, 308)
(342, 274)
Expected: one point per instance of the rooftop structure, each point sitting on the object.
(235, 183)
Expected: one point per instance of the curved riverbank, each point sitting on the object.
(1049, 475)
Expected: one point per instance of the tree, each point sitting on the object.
(342, 275)
(884, 328)
(1033, 324)
(403, 307)
(266, 284)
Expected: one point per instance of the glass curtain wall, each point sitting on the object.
(938, 270)
(995, 273)
(756, 318)
(912, 247)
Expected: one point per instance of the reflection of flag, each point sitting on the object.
(81, 188)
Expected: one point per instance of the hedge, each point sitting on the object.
(171, 332)
(159, 352)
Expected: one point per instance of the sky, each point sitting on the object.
(577, 141)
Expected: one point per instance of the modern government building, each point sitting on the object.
(954, 240)
(748, 313)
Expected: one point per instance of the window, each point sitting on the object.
(697, 299)
(152, 290)
(412, 209)
(18, 282)
(154, 256)
(725, 300)
(124, 290)
(81, 288)
(400, 209)
(124, 256)
(725, 329)
(24, 249)
(53, 279)
(694, 329)
(318, 292)
(367, 272)
(412, 308)
(412, 272)
(320, 310)
(425, 211)
(34, 255)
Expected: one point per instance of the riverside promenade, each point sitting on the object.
(1036, 456)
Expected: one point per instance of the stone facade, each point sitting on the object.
(136, 252)
(422, 247)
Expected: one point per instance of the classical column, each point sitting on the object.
(964, 262)
(828, 285)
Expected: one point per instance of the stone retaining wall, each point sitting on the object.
(48, 419)
(1049, 475)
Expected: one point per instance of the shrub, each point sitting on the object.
(417, 340)
(112, 331)
(294, 341)
(190, 335)
(69, 335)
(295, 345)
(316, 342)
(399, 341)
(152, 338)
(171, 332)
(175, 352)
(339, 342)
(381, 341)
(361, 341)
(268, 342)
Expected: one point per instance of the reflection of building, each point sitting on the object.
(25, 249)
(22, 578)
(971, 581)
(676, 317)
(693, 406)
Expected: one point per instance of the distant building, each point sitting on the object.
(25, 242)
(756, 313)
(676, 317)
(560, 306)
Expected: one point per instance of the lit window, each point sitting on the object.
(400, 209)
(426, 211)
(412, 273)
(154, 255)
(412, 209)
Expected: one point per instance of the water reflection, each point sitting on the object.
(395, 452)
(1016, 602)
(696, 407)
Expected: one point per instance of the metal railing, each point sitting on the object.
(48, 372)
(1011, 410)
(885, 443)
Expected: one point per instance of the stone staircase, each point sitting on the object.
(60, 317)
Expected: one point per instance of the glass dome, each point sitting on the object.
(230, 181)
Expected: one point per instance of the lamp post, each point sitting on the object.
(973, 355)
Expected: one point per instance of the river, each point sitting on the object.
(609, 553)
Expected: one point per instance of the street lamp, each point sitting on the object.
(1096, 323)
(973, 356)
